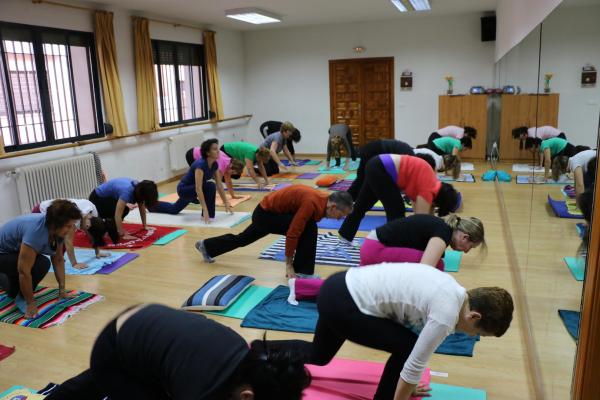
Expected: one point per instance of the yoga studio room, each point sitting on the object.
(299, 200)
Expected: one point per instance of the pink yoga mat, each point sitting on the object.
(348, 379)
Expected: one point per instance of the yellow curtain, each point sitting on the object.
(214, 84)
(145, 81)
(109, 72)
(1, 145)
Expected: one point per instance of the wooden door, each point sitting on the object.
(516, 111)
(450, 110)
(545, 108)
(475, 115)
(362, 96)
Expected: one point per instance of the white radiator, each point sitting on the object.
(181, 143)
(74, 177)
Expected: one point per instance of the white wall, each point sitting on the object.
(145, 157)
(287, 76)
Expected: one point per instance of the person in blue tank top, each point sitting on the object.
(199, 185)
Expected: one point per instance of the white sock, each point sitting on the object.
(292, 297)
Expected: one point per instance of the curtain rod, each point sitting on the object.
(55, 3)
(175, 24)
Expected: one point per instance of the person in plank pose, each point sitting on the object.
(387, 176)
(228, 167)
(93, 226)
(199, 185)
(531, 138)
(249, 154)
(555, 148)
(276, 143)
(292, 211)
(154, 352)
(269, 127)
(25, 241)
(404, 309)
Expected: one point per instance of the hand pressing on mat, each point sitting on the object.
(80, 266)
(32, 311)
(64, 295)
(228, 209)
(422, 390)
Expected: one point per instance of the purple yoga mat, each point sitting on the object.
(107, 269)
(341, 186)
(309, 175)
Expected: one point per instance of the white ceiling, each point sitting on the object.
(295, 13)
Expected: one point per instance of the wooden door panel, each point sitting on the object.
(475, 115)
(378, 99)
(345, 96)
(450, 111)
(547, 110)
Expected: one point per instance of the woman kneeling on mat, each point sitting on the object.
(228, 167)
(113, 196)
(94, 227)
(199, 185)
(155, 352)
(387, 176)
(24, 243)
(248, 154)
(407, 310)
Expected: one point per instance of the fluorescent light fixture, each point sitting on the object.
(420, 5)
(399, 5)
(252, 15)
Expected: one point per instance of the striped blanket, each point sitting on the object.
(52, 311)
(330, 251)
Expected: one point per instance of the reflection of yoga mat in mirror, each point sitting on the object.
(97, 265)
(309, 175)
(275, 313)
(20, 393)
(564, 209)
(343, 379)
(527, 168)
(330, 251)
(571, 321)
(246, 302)
(464, 178)
(538, 180)
(194, 218)
(144, 238)
(577, 267)
(368, 223)
(467, 166)
(52, 311)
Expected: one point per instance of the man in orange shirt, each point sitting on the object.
(292, 211)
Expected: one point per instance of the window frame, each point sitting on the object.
(203, 83)
(42, 82)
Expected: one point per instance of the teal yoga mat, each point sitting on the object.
(170, 237)
(452, 260)
(351, 177)
(576, 266)
(449, 392)
(246, 302)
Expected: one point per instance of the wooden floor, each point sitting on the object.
(169, 274)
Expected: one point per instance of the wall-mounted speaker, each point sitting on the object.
(488, 28)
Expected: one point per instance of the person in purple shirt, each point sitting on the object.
(24, 243)
(111, 199)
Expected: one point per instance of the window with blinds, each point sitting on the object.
(49, 90)
(180, 82)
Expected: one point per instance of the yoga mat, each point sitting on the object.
(580, 226)
(467, 166)
(527, 168)
(20, 393)
(561, 210)
(330, 251)
(193, 218)
(332, 170)
(251, 187)
(302, 162)
(88, 256)
(52, 311)
(576, 266)
(232, 202)
(348, 379)
(245, 302)
(571, 321)
(170, 237)
(108, 269)
(538, 180)
(275, 313)
(351, 177)
(368, 223)
(452, 260)
(448, 392)
(569, 191)
(308, 175)
(144, 238)
(464, 178)
(379, 206)
(6, 351)
(341, 186)
(285, 175)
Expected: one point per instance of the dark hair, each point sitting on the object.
(427, 158)
(466, 142)
(206, 145)
(446, 199)
(146, 192)
(272, 373)
(517, 132)
(341, 199)
(585, 203)
(296, 136)
(470, 132)
(100, 227)
(60, 213)
(579, 149)
(495, 306)
(530, 143)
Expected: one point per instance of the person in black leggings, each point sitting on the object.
(154, 352)
(269, 127)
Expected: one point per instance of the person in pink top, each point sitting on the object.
(455, 131)
(227, 166)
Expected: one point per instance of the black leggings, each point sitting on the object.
(432, 137)
(341, 320)
(378, 185)
(106, 206)
(9, 266)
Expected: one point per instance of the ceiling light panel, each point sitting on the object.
(253, 16)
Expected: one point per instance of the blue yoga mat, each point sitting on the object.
(580, 226)
(275, 313)
(560, 209)
(576, 266)
(88, 256)
(368, 223)
(571, 321)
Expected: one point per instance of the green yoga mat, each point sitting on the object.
(351, 177)
(170, 237)
(576, 266)
(452, 260)
(449, 392)
(246, 302)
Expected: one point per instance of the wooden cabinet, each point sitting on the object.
(528, 110)
(466, 110)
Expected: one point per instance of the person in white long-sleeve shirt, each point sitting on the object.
(456, 132)
(403, 308)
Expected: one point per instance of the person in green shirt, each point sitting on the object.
(249, 154)
(556, 149)
(447, 145)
